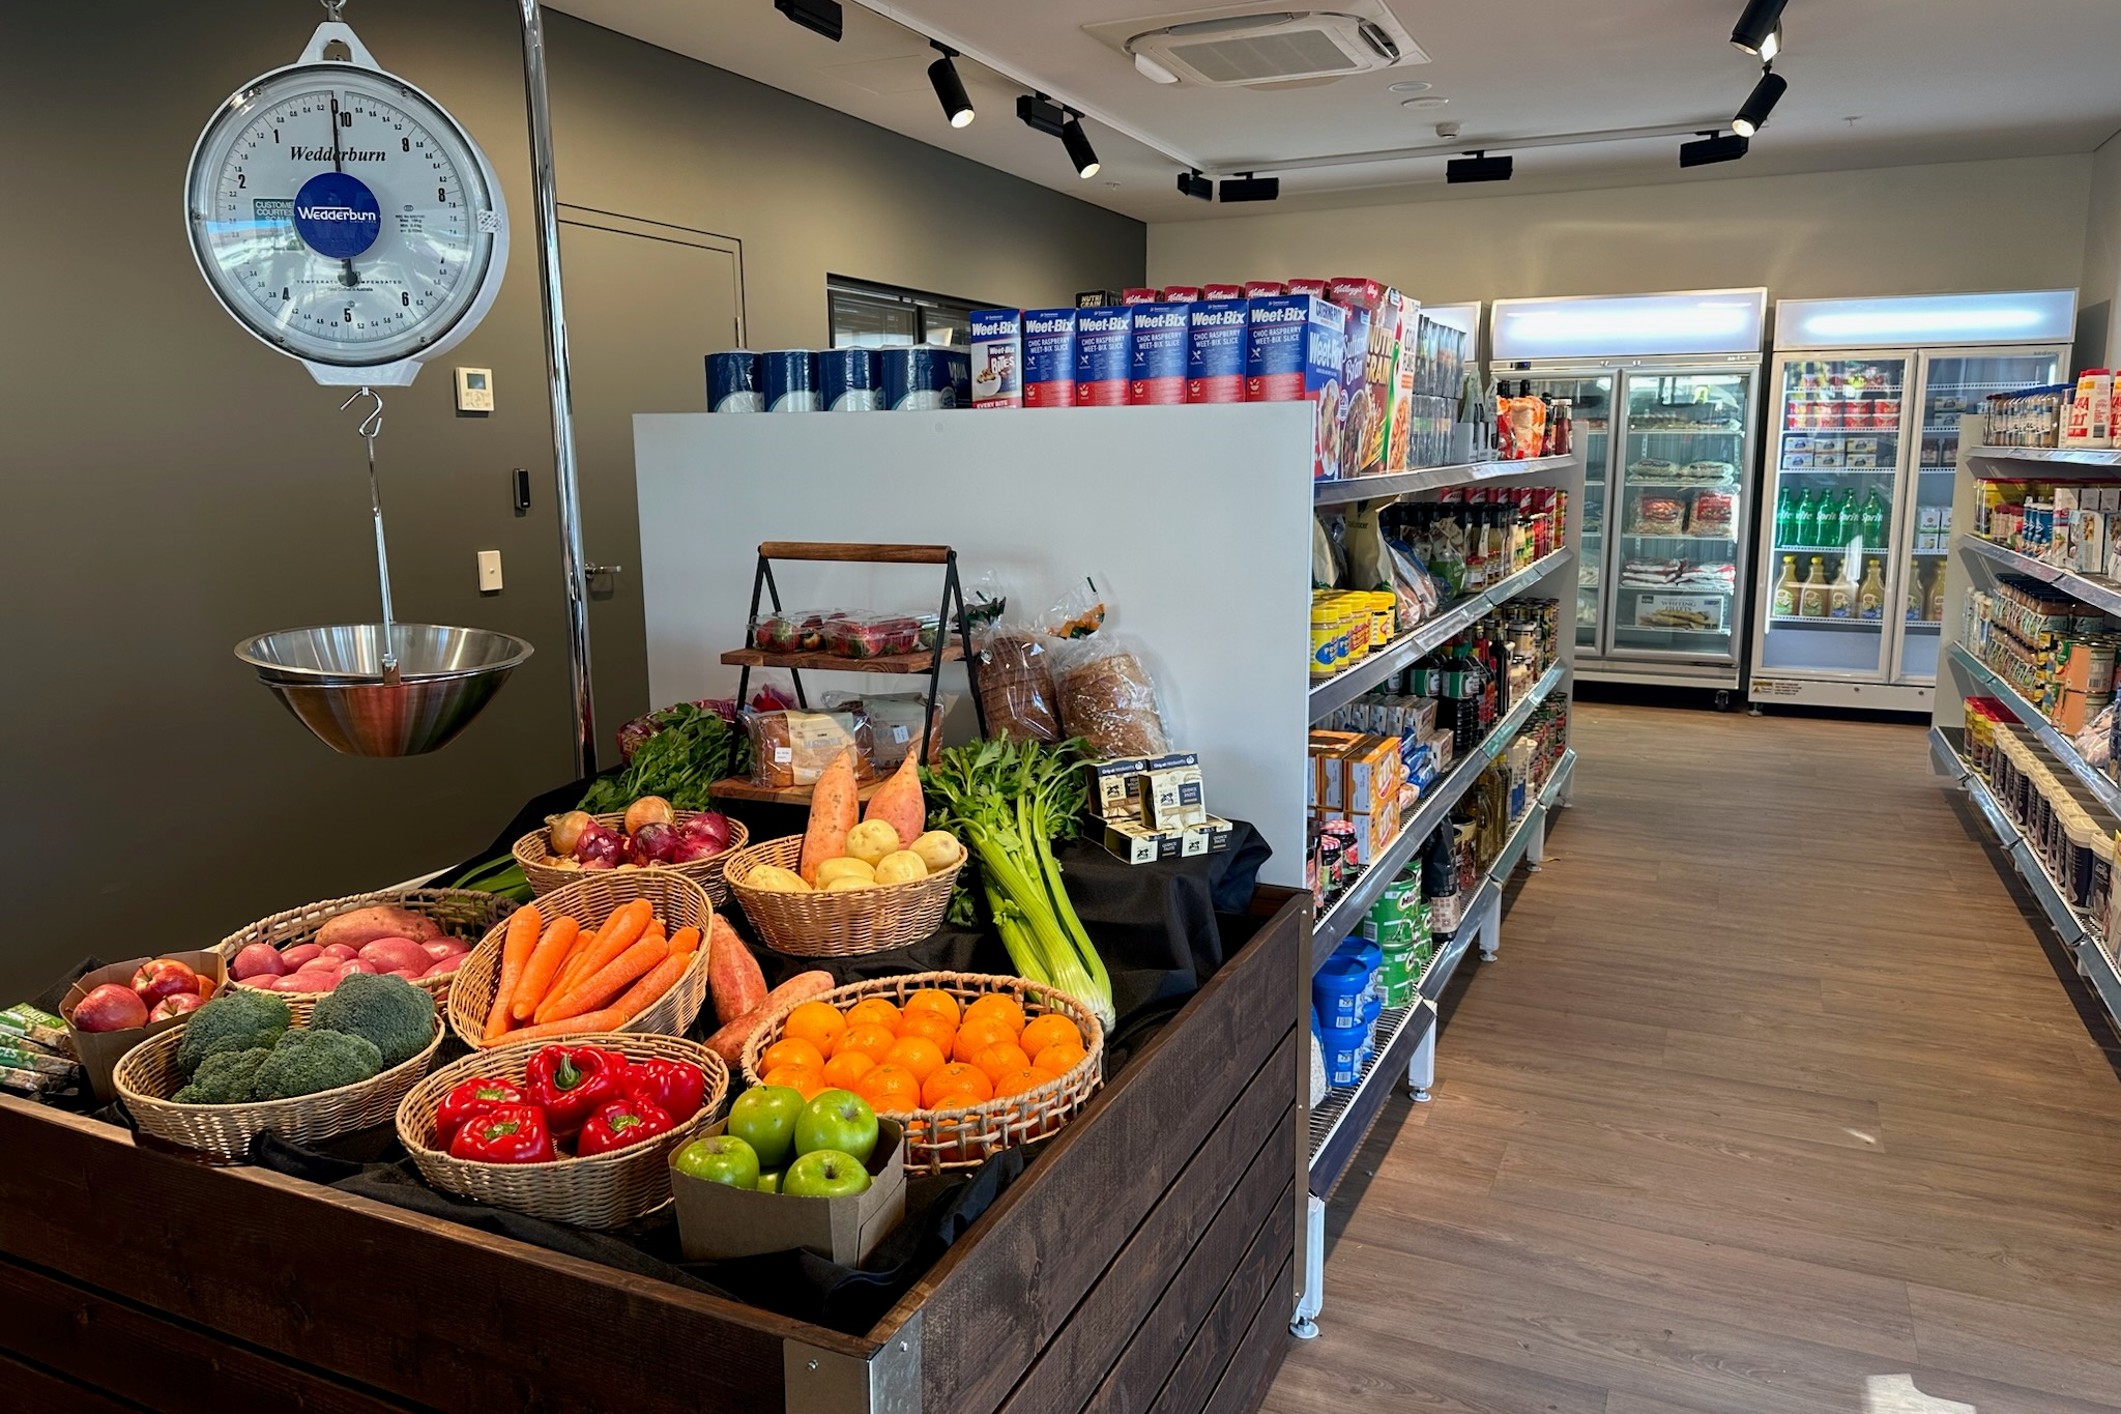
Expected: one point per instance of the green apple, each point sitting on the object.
(825, 1173)
(764, 1118)
(770, 1181)
(837, 1119)
(719, 1158)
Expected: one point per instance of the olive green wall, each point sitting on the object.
(171, 486)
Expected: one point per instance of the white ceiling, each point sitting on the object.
(1923, 80)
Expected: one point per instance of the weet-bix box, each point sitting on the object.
(1159, 359)
(1104, 355)
(1293, 353)
(1049, 357)
(1215, 357)
(997, 340)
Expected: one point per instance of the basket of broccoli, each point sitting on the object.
(248, 1062)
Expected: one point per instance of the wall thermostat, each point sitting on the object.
(474, 390)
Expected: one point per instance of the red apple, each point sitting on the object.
(176, 1005)
(164, 977)
(110, 1007)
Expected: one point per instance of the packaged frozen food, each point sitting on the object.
(791, 748)
(1014, 678)
(1711, 513)
(1659, 515)
(1107, 700)
(1651, 469)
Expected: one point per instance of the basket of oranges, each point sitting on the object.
(972, 1064)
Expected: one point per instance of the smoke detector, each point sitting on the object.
(1239, 46)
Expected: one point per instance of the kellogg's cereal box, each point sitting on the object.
(1104, 356)
(1215, 357)
(1222, 292)
(997, 340)
(1304, 286)
(1159, 358)
(1179, 294)
(1257, 289)
(1049, 357)
(1293, 353)
(1137, 295)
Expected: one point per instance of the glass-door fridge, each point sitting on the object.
(1663, 392)
(1863, 446)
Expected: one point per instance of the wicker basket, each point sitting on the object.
(530, 853)
(847, 924)
(605, 1191)
(939, 1140)
(589, 900)
(470, 910)
(146, 1076)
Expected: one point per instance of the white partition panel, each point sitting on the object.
(1195, 521)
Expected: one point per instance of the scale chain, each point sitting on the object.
(369, 427)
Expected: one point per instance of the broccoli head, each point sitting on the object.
(239, 1019)
(224, 1078)
(306, 1061)
(389, 1011)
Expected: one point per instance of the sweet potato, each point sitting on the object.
(728, 1043)
(835, 808)
(733, 974)
(899, 803)
(365, 925)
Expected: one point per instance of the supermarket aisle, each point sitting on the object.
(1770, 1095)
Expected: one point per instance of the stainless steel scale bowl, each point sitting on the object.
(338, 681)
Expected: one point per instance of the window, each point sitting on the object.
(866, 316)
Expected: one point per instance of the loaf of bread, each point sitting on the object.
(1016, 689)
(1106, 699)
(791, 748)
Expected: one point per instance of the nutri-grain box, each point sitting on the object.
(997, 347)
(1215, 358)
(1260, 289)
(1223, 292)
(1293, 352)
(1104, 355)
(1159, 356)
(1306, 286)
(1137, 296)
(1179, 294)
(1049, 357)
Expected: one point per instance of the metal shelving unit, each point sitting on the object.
(2104, 790)
(2092, 589)
(2055, 461)
(1431, 478)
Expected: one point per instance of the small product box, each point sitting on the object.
(1169, 794)
(717, 1222)
(1092, 299)
(99, 1051)
(1210, 836)
(1135, 843)
(1161, 342)
(997, 339)
(1215, 352)
(1179, 294)
(1866, 445)
(1110, 786)
(1049, 357)
(1293, 354)
(1104, 356)
(1796, 443)
(1929, 518)
(1860, 461)
(1137, 295)
(2089, 536)
(1224, 291)
(1827, 455)
(1259, 289)
(2062, 549)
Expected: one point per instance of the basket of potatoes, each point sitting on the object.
(875, 892)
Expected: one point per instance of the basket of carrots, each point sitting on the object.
(613, 952)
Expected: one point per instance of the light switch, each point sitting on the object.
(475, 390)
(489, 571)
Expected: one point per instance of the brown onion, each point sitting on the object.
(566, 829)
(648, 810)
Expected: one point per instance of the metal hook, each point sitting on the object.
(373, 423)
(333, 9)
(370, 426)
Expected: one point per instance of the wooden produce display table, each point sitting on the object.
(1144, 1261)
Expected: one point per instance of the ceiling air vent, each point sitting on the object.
(1281, 46)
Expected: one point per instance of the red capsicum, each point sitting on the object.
(620, 1123)
(571, 1083)
(507, 1134)
(677, 1088)
(477, 1096)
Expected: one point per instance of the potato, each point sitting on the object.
(903, 867)
(395, 955)
(849, 868)
(844, 883)
(870, 841)
(773, 879)
(938, 849)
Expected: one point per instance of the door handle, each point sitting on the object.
(590, 570)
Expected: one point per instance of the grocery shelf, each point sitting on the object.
(1868, 549)
(1432, 478)
(1836, 470)
(1686, 431)
(2053, 459)
(1928, 554)
(2096, 590)
(1799, 621)
(1341, 1121)
(1333, 693)
(1674, 628)
(1667, 483)
(1697, 539)
(1557, 782)
(1840, 432)
(2105, 791)
(1711, 590)
(1342, 916)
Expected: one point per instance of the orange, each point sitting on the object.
(889, 1089)
(930, 1024)
(791, 1051)
(1060, 1057)
(956, 1085)
(1000, 1058)
(847, 1067)
(1016, 1082)
(999, 1007)
(1044, 1031)
(872, 1041)
(807, 1081)
(978, 1033)
(935, 1002)
(819, 1023)
(873, 1011)
(917, 1054)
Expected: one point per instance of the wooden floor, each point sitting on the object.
(1773, 1101)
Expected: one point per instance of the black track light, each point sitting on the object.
(1758, 26)
(1478, 167)
(1036, 112)
(1193, 184)
(1251, 188)
(1080, 152)
(821, 16)
(949, 88)
(1712, 148)
(1759, 103)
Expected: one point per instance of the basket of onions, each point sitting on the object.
(647, 834)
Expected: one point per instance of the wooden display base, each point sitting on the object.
(900, 663)
(740, 788)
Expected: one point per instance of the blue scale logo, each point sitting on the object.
(337, 215)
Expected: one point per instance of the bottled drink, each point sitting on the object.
(1874, 520)
(1812, 597)
(1933, 602)
(1801, 522)
(1785, 513)
(1786, 589)
(1917, 595)
(1870, 595)
(1841, 594)
(1561, 432)
(1850, 525)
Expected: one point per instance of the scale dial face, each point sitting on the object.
(343, 217)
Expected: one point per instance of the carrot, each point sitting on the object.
(544, 965)
(620, 932)
(516, 945)
(684, 941)
(649, 990)
(607, 981)
(835, 808)
(608, 1020)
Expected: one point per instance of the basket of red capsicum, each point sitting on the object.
(576, 1131)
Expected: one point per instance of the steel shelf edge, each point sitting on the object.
(1558, 778)
(2093, 779)
(1428, 478)
(2097, 458)
(2059, 913)
(2104, 593)
(1328, 1158)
